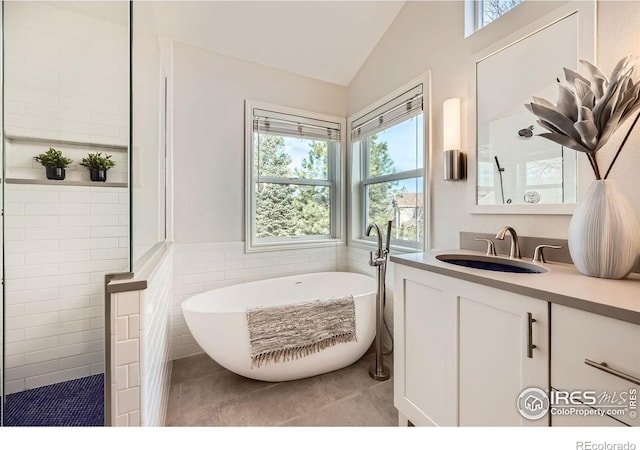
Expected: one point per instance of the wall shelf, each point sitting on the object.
(112, 147)
(21, 168)
(64, 182)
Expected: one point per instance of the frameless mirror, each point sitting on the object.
(516, 168)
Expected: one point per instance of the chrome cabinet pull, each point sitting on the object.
(605, 368)
(530, 345)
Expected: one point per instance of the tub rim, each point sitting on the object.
(187, 305)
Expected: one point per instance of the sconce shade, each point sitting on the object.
(451, 124)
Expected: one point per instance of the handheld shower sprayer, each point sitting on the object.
(500, 170)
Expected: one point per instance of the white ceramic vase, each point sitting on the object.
(604, 236)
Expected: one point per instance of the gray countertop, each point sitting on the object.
(563, 284)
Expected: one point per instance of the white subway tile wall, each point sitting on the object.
(54, 272)
(202, 267)
(66, 75)
(140, 358)
(125, 358)
(155, 359)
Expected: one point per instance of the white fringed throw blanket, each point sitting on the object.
(287, 332)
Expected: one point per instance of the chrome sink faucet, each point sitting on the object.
(514, 250)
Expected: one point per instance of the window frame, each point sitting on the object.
(335, 177)
(358, 174)
(474, 16)
(367, 181)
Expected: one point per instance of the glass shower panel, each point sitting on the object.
(2, 231)
(66, 88)
(148, 177)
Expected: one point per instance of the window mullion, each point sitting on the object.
(295, 181)
(416, 173)
(479, 14)
(363, 188)
(332, 175)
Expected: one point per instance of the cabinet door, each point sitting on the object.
(425, 357)
(496, 363)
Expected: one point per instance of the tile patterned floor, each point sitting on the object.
(205, 394)
(74, 403)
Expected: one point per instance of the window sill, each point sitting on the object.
(298, 244)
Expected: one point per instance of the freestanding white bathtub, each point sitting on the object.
(217, 319)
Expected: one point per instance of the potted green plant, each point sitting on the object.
(98, 165)
(54, 162)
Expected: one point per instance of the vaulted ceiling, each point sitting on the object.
(327, 40)
(324, 39)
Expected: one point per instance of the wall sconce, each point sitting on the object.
(454, 164)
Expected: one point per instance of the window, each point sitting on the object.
(480, 13)
(293, 160)
(388, 169)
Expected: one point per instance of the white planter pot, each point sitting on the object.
(604, 237)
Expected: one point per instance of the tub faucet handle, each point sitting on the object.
(374, 261)
(491, 247)
(538, 256)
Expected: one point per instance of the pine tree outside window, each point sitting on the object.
(293, 164)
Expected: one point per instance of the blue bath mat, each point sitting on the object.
(75, 403)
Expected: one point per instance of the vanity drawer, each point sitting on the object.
(590, 352)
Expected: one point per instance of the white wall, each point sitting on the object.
(430, 35)
(209, 90)
(66, 78)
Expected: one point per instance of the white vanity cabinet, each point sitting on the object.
(465, 351)
(599, 354)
